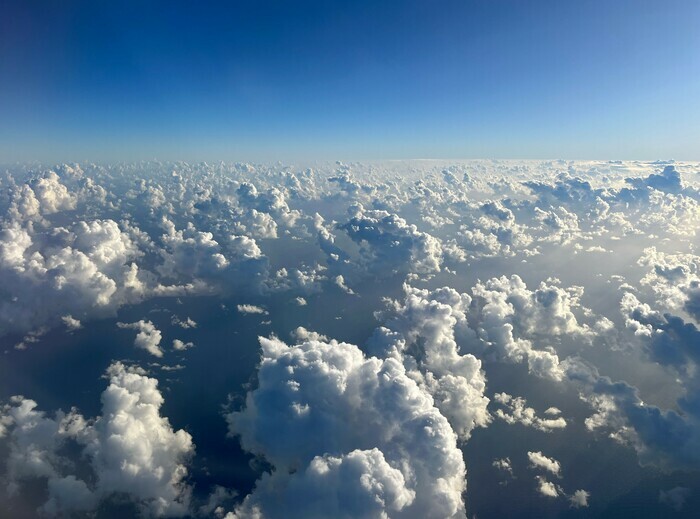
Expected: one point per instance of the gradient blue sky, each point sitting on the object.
(265, 80)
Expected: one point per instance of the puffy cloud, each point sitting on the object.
(132, 450)
(389, 242)
(504, 465)
(42, 196)
(561, 225)
(669, 181)
(186, 324)
(179, 345)
(340, 282)
(665, 438)
(89, 269)
(359, 484)
(190, 252)
(518, 412)
(307, 280)
(148, 337)
(251, 309)
(71, 323)
(674, 278)
(355, 434)
(579, 499)
(509, 314)
(272, 204)
(90, 239)
(540, 461)
(425, 322)
(245, 248)
(302, 334)
(546, 488)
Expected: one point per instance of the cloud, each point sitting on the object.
(509, 316)
(348, 430)
(251, 309)
(518, 412)
(340, 282)
(540, 461)
(504, 465)
(459, 264)
(579, 499)
(148, 337)
(71, 323)
(132, 450)
(546, 488)
(665, 438)
(425, 323)
(186, 324)
(390, 243)
(179, 345)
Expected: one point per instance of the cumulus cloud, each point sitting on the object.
(148, 337)
(546, 488)
(504, 465)
(251, 309)
(510, 316)
(71, 323)
(579, 499)
(179, 345)
(516, 411)
(132, 450)
(540, 461)
(388, 242)
(665, 438)
(186, 324)
(427, 322)
(359, 435)
(88, 269)
(458, 263)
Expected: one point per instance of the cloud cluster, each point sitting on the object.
(571, 277)
(131, 450)
(354, 434)
(516, 411)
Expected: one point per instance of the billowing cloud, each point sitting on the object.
(516, 411)
(540, 461)
(132, 450)
(148, 337)
(351, 432)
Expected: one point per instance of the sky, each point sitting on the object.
(264, 80)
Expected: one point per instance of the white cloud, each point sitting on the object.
(518, 412)
(186, 324)
(148, 337)
(179, 345)
(428, 321)
(251, 309)
(540, 461)
(71, 323)
(546, 488)
(579, 499)
(132, 450)
(345, 417)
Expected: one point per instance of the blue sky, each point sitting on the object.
(264, 80)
